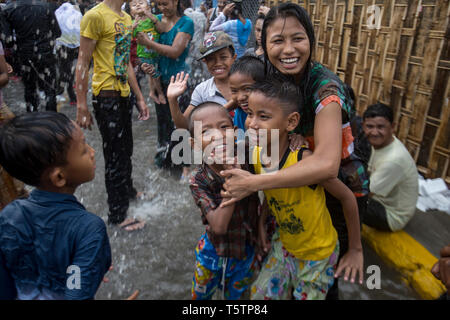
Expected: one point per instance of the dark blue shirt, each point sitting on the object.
(51, 248)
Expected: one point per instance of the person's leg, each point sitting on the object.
(313, 279)
(109, 120)
(375, 216)
(274, 279)
(165, 129)
(127, 144)
(46, 67)
(72, 54)
(239, 274)
(206, 280)
(29, 79)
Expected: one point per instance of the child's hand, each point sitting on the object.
(228, 9)
(135, 23)
(9, 68)
(263, 244)
(148, 69)
(144, 113)
(143, 39)
(352, 263)
(177, 85)
(296, 141)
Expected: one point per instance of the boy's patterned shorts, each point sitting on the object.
(209, 271)
(283, 273)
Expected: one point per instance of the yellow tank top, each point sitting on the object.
(305, 225)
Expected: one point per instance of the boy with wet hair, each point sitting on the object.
(51, 247)
(225, 254)
(304, 250)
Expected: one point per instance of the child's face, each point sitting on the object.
(219, 63)
(240, 85)
(288, 46)
(266, 113)
(138, 7)
(216, 126)
(258, 31)
(80, 167)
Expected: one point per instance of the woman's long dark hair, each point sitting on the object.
(180, 10)
(283, 11)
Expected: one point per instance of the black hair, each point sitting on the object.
(127, 7)
(285, 10)
(260, 17)
(202, 106)
(230, 48)
(34, 142)
(249, 66)
(379, 110)
(237, 11)
(285, 92)
(180, 10)
(185, 3)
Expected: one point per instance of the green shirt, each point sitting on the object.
(147, 26)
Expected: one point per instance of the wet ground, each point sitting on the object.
(158, 260)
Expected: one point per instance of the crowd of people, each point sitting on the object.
(294, 244)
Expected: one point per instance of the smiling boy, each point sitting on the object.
(218, 54)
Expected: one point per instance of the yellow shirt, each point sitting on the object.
(112, 51)
(305, 225)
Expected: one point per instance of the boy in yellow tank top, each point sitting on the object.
(304, 249)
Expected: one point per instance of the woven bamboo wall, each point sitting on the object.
(404, 63)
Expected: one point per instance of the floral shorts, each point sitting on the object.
(282, 274)
(231, 276)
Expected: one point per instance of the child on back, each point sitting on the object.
(225, 254)
(243, 74)
(149, 24)
(304, 249)
(50, 246)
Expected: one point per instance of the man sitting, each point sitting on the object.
(393, 173)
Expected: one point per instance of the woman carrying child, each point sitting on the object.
(173, 47)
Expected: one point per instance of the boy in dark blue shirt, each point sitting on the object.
(50, 246)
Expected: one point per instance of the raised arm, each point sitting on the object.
(322, 165)
(177, 86)
(159, 25)
(174, 51)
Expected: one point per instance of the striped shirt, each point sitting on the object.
(205, 186)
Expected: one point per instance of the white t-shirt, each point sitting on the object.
(207, 91)
(394, 182)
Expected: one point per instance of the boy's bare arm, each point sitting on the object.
(219, 219)
(352, 261)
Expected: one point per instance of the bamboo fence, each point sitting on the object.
(401, 57)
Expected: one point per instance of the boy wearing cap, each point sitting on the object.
(217, 52)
